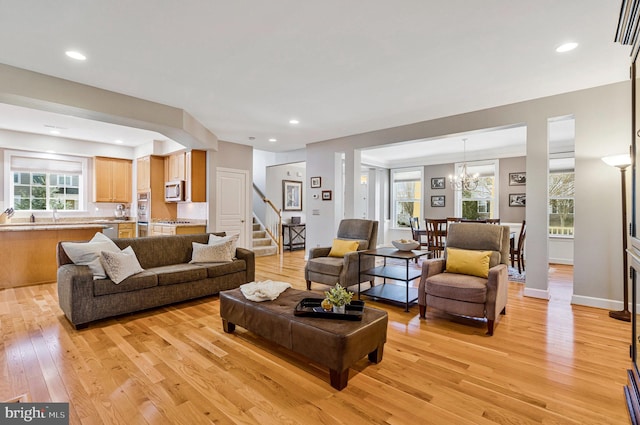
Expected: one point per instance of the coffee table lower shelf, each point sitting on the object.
(393, 293)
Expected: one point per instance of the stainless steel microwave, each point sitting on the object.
(174, 191)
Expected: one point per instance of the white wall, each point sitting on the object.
(603, 119)
(276, 174)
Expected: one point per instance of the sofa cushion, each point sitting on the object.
(120, 265)
(218, 252)
(88, 253)
(142, 280)
(179, 273)
(215, 239)
(460, 287)
(468, 261)
(157, 251)
(326, 265)
(218, 269)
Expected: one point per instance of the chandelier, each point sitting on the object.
(464, 181)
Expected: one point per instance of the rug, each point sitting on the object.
(514, 276)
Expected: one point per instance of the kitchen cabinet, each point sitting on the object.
(174, 167)
(126, 230)
(150, 178)
(190, 167)
(169, 229)
(195, 176)
(112, 180)
(143, 174)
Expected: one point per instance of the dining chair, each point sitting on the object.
(418, 235)
(453, 220)
(436, 235)
(517, 253)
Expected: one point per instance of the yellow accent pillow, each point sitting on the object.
(341, 247)
(464, 261)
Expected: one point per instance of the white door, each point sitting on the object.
(232, 203)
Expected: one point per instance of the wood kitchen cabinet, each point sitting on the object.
(150, 178)
(168, 229)
(195, 176)
(126, 230)
(143, 174)
(190, 167)
(112, 180)
(174, 167)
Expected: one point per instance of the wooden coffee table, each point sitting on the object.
(337, 344)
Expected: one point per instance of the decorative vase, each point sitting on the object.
(340, 309)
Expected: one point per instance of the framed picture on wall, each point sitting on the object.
(326, 195)
(437, 201)
(316, 182)
(437, 183)
(291, 195)
(517, 179)
(517, 200)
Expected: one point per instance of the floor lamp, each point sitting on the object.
(622, 162)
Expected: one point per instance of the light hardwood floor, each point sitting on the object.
(547, 363)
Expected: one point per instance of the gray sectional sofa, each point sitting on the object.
(167, 278)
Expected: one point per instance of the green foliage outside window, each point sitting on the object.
(42, 191)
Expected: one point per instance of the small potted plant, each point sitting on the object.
(339, 297)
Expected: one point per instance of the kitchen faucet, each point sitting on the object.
(55, 215)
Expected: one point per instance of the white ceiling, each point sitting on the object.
(480, 145)
(244, 68)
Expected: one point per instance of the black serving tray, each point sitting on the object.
(310, 307)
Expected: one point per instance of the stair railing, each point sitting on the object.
(273, 220)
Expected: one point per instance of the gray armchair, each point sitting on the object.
(463, 294)
(330, 270)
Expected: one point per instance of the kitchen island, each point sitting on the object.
(29, 249)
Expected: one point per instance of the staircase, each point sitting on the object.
(262, 244)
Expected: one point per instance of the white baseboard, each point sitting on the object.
(566, 261)
(536, 293)
(597, 302)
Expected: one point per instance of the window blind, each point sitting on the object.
(30, 164)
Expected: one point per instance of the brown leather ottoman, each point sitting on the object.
(336, 344)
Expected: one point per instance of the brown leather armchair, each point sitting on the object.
(330, 270)
(463, 294)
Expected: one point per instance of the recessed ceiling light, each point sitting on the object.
(75, 55)
(294, 121)
(54, 132)
(566, 47)
(119, 142)
(273, 140)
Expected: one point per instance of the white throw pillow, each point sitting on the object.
(214, 240)
(88, 253)
(120, 265)
(205, 253)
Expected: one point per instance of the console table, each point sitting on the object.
(399, 272)
(294, 236)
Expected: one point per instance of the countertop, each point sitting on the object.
(191, 223)
(60, 225)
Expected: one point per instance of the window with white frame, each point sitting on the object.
(406, 196)
(481, 202)
(40, 182)
(561, 196)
